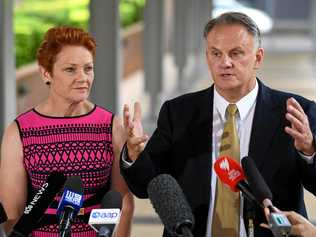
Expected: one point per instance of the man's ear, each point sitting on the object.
(259, 58)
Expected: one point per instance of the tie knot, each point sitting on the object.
(232, 109)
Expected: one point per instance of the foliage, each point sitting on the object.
(131, 11)
(32, 18)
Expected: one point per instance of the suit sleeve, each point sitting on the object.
(154, 159)
(308, 171)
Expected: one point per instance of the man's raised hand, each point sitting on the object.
(134, 131)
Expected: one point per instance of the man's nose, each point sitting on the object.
(226, 61)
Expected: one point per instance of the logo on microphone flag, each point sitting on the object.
(105, 216)
(229, 171)
(224, 165)
(73, 197)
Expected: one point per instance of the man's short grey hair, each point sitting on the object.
(230, 18)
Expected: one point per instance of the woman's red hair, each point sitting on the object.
(58, 37)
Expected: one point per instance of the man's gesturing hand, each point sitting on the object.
(134, 131)
(300, 129)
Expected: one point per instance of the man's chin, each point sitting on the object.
(228, 85)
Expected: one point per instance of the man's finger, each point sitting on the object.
(266, 213)
(294, 103)
(126, 116)
(293, 217)
(265, 225)
(297, 136)
(130, 129)
(297, 229)
(135, 141)
(295, 113)
(296, 122)
(137, 111)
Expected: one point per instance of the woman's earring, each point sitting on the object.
(47, 83)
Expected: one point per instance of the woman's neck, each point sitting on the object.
(55, 108)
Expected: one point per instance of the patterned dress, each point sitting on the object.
(80, 146)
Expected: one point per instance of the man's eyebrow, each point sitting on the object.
(214, 48)
(237, 48)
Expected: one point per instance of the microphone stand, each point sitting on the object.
(65, 223)
(250, 209)
(65, 233)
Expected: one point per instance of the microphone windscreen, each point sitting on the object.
(229, 172)
(170, 203)
(256, 182)
(112, 199)
(36, 208)
(74, 184)
(3, 215)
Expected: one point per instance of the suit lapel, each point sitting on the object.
(200, 132)
(200, 129)
(266, 120)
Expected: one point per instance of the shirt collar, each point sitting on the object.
(244, 104)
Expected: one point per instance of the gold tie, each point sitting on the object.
(227, 203)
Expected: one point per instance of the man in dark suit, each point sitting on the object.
(275, 128)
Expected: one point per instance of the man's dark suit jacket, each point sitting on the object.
(182, 146)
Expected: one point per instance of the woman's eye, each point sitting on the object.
(89, 69)
(69, 69)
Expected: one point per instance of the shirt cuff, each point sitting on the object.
(308, 159)
(126, 161)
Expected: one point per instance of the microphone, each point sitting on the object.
(279, 224)
(69, 204)
(3, 215)
(255, 180)
(170, 204)
(231, 174)
(36, 208)
(104, 220)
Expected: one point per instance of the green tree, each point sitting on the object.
(32, 18)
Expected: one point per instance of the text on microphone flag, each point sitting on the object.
(73, 197)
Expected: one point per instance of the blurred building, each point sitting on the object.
(287, 14)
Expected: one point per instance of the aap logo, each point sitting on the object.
(103, 215)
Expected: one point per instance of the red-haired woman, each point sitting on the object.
(66, 133)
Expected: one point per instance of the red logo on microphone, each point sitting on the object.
(229, 172)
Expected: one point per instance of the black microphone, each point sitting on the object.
(170, 204)
(279, 224)
(3, 215)
(105, 219)
(255, 180)
(35, 209)
(69, 204)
